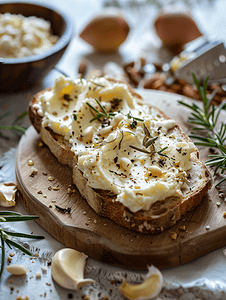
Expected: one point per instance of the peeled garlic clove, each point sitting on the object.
(148, 289)
(68, 269)
(17, 269)
(106, 32)
(125, 163)
(7, 194)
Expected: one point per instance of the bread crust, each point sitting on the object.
(162, 214)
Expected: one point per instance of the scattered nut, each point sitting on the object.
(173, 235)
(183, 228)
(55, 188)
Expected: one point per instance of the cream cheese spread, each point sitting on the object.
(24, 36)
(124, 147)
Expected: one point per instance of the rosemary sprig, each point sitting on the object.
(14, 126)
(207, 119)
(135, 119)
(100, 114)
(8, 216)
(162, 154)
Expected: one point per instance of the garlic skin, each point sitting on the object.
(148, 289)
(17, 269)
(68, 269)
(8, 194)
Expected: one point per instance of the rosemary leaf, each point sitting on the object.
(3, 254)
(150, 141)
(220, 181)
(36, 237)
(92, 107)
(14, 127)
(18, 246)
(8, 213)
(20, 218)
(141, 150)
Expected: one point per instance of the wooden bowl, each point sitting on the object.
(21, 73)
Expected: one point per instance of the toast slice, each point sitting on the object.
(148, 171)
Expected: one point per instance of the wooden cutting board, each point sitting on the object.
(100, 238)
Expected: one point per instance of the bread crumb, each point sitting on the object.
(22, 298)
(9, 259)
(224, 214)
(36, 254)
(34, 170)
(40, 144)
(30, 162)
(174, 236)
(218, 203)
(44, 269)
(50, 178)
(38, 275)
(11, 254)
(48, 283)
(55, 188)
(207, 227)
(183, 228)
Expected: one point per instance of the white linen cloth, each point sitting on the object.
(204, 278)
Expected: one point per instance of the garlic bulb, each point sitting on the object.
(107, 31)
(7, 194)
(175, 26)
(148, 289)
(68, 269)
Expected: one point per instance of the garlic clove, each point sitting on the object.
(68, 269)
(148, 289)
(8, 194)
(17, 269)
